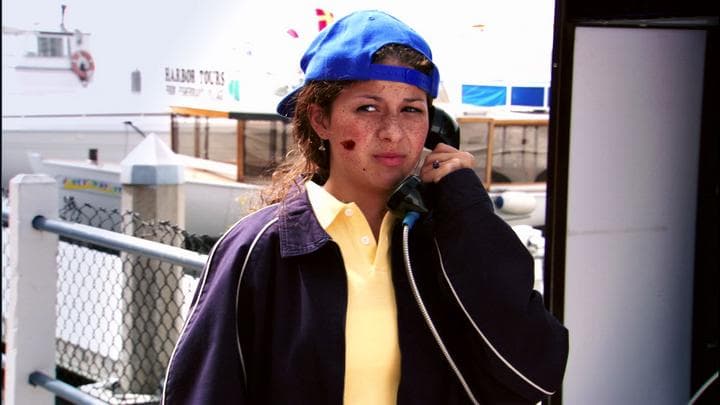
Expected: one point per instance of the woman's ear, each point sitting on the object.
(318, 120)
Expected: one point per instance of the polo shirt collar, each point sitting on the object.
(325, 205)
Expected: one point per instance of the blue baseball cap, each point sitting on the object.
(344, 51)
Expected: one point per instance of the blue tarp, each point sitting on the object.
(486, 96)
(527, 96)
(490, 96)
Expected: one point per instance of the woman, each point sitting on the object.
(308, 300)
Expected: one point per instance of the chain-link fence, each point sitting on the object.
(118, 314)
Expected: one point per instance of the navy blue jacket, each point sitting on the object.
(267, 321)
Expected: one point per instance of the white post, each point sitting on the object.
(152, 180)
(30, 335)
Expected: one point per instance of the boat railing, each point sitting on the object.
(507, 150)
(253, 143)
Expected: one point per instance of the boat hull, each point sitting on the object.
(211, 207)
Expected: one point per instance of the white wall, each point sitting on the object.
(634, 138)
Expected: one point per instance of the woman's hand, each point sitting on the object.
(442, 160)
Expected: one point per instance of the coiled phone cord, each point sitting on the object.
(408, 223)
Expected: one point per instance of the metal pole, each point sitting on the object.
(118, 241)
(62, 390)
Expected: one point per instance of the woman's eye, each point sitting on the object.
(367, 108)
(411, 109)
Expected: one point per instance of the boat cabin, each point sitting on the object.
(254, 142)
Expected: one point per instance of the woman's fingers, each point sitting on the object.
(443, 160)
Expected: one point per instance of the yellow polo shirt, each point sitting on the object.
(372, 352)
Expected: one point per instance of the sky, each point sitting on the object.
(249, 39)
(515, 42)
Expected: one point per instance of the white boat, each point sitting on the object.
(213, 200)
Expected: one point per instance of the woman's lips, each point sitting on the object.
(390, 159)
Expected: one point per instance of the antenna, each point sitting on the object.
(138, 130)
(62, 17)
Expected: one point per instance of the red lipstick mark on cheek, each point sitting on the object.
(348, 145)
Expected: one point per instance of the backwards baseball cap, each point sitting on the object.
(344, 51)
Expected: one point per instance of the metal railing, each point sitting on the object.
(83, 288)
(192, 262)
(62, 390)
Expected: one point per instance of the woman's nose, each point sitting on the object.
(391, 129)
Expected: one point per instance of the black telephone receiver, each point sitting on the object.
(406, 197)
(443, 128)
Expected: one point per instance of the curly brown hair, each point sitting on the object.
(307, 159)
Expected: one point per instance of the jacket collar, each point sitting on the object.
(299, 229)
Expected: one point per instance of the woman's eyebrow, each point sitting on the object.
(378, 98)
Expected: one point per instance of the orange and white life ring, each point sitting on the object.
(83, 65)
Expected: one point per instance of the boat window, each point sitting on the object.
(50, 46)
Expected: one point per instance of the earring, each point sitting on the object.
(322, 148)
